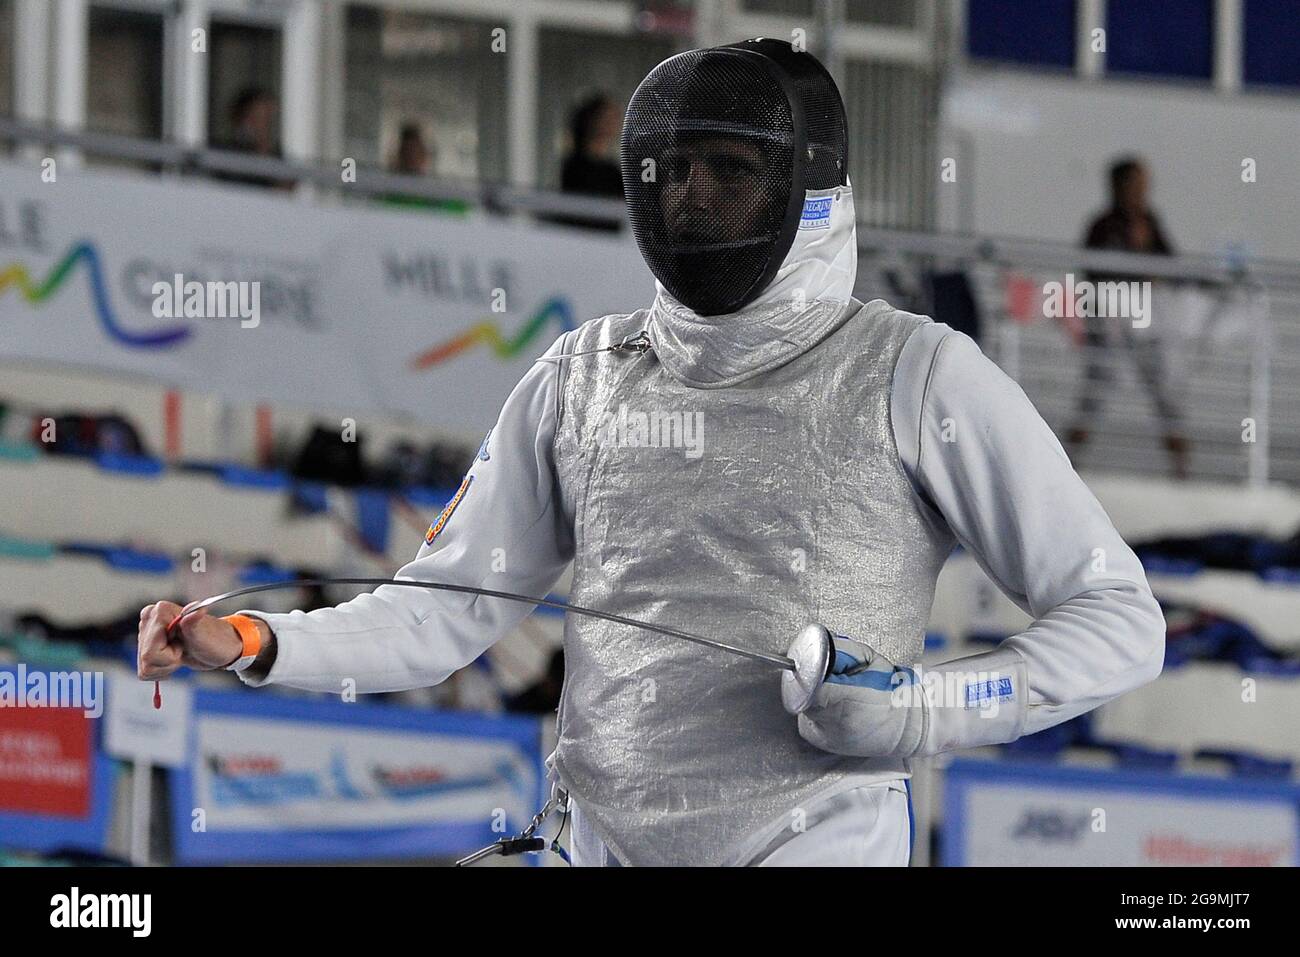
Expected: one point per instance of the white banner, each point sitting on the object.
(256, 774)
(285, 779)
(137, 731)
(1034, 816)
(360, 308)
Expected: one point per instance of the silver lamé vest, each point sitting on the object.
(792, 507)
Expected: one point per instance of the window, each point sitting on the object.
(243, 78)
(6, 58)
(790, 8)
(124, 72)
(434, 74)
(891, 110)
(1170, 38)
(885, 13)
(1271, 44)
(1039, 33)
(611, 65)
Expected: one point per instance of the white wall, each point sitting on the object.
(1033, 149)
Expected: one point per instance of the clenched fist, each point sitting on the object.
(201, 642)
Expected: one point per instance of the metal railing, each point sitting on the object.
(1225, 387)
(1205, 382)
(322, 181)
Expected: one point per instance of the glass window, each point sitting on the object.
(793, 8)
(885, 13)
(124, 72)
(1039, 33)
(244, 87)
(1161, 38)
(891, 110)
(1271, 44)
(6, 58)
(425, 94)
(612, 66)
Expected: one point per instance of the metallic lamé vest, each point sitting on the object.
(796, 510)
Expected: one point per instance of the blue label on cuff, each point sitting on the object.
(978, 693)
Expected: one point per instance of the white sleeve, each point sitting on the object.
(506, 533)
(980, 455)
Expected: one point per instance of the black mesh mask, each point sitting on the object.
(718, 148)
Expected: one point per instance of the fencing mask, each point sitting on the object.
(718, 148)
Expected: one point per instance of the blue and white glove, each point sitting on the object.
(870, 707)
(857, 711)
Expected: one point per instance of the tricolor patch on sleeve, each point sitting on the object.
(437, 526)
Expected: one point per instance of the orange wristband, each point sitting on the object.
(249, 634)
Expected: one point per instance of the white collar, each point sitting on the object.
(806, 301)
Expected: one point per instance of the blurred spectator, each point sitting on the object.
(1131, 226)
(415, 157)
(589, 169)
(254, 118)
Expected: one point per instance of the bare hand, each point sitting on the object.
(201, 642)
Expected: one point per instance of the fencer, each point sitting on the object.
(755, 450)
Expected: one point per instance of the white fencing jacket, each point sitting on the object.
(1005, 488)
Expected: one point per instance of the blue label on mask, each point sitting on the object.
(816, 213)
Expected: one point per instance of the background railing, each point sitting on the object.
(1222, 349)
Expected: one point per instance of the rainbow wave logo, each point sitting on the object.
(489, 333)
(84, 253)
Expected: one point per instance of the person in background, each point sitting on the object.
(413, 157)
(254, 117)
(416, 157)
(589, 169)
(1129, 225)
